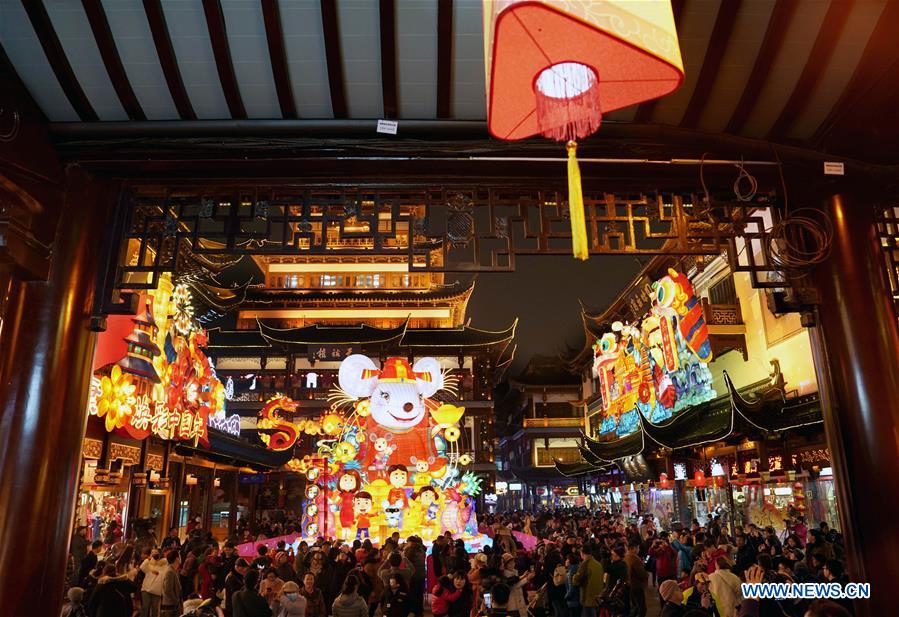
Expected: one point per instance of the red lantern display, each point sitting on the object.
(555, 68)
(663, 480)
(699, 479)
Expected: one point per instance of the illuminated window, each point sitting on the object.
(368, 280)
(331, 280)
(293, 281)
(407, 279)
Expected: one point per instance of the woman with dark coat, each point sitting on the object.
(112, 596)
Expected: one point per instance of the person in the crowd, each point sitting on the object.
(665, 558)
(572, 592)
(637, 578)
(724, 585)
(396, 601)
(78, 548)
(290, 602)
(153, 569)
(234, 582)
(171, 541)
(699, 596)
(672, 599)
(349, 603)
(172, 599)
(442, 594)
(89, 562)
(283, 568)
(112, 596)
(248, 602)
(190, 567)
(464, 604)
(270, 586)
(590, 578)
(74, 604)
(208, 572)
(315, 600)
(499, 602)
(262, 561)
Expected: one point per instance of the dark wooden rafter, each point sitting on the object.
(271, 15)
(160, 32)
(96, 17)
(776, 32)
(336, 84)
(644, 110)
(8, 71)
(387, 21)
(822, 50)
(444, 57)
(56, 56)
(215, 23)
(875, 64)
(711, 63)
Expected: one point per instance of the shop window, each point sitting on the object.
(331, 280)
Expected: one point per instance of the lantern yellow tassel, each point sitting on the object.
(576, 205)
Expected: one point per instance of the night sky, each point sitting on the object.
(543, 293)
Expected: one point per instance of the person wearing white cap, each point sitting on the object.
(672, 596)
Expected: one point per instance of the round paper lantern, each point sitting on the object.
(556, 67)
(312, 474)
(312, 491)
(699, 478)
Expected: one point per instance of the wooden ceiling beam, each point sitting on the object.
(819, 57)
(215, 23)
(330, 27)
(387, 24)
(444, 57)
(872, 71)
(775, 33)
(711, 63)
(163, 42)
(274, 34)
(96, 17)
(56, 56)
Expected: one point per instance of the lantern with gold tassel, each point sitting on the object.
(554, 67)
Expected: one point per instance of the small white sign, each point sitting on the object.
(830, 168)
(387, 126)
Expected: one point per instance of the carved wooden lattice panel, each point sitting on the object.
(187, 229)
(888, 232)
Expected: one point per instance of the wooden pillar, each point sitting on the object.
(46, 349)
(856, 349)
(232, 511)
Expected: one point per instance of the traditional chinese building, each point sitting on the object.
(313, 311)
(757, 431)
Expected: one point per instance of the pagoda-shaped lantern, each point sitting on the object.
(142, 349)
(555, 67)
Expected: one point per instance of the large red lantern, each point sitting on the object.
(699, 479)
(555, 68)
(663, 480)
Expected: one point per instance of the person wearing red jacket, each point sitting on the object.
(444, 594)
(208, 571)
(666, 558)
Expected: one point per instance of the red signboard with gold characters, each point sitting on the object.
(153, 380)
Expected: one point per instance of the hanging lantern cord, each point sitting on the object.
(576, 205)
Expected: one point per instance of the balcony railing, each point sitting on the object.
(568, 455)
(553, 423)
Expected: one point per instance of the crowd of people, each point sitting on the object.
(584, 564)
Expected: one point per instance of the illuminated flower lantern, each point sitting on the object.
(554, 68)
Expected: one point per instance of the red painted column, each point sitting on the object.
(45, 361)
(857, 346)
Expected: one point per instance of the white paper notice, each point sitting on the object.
(387, 126)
